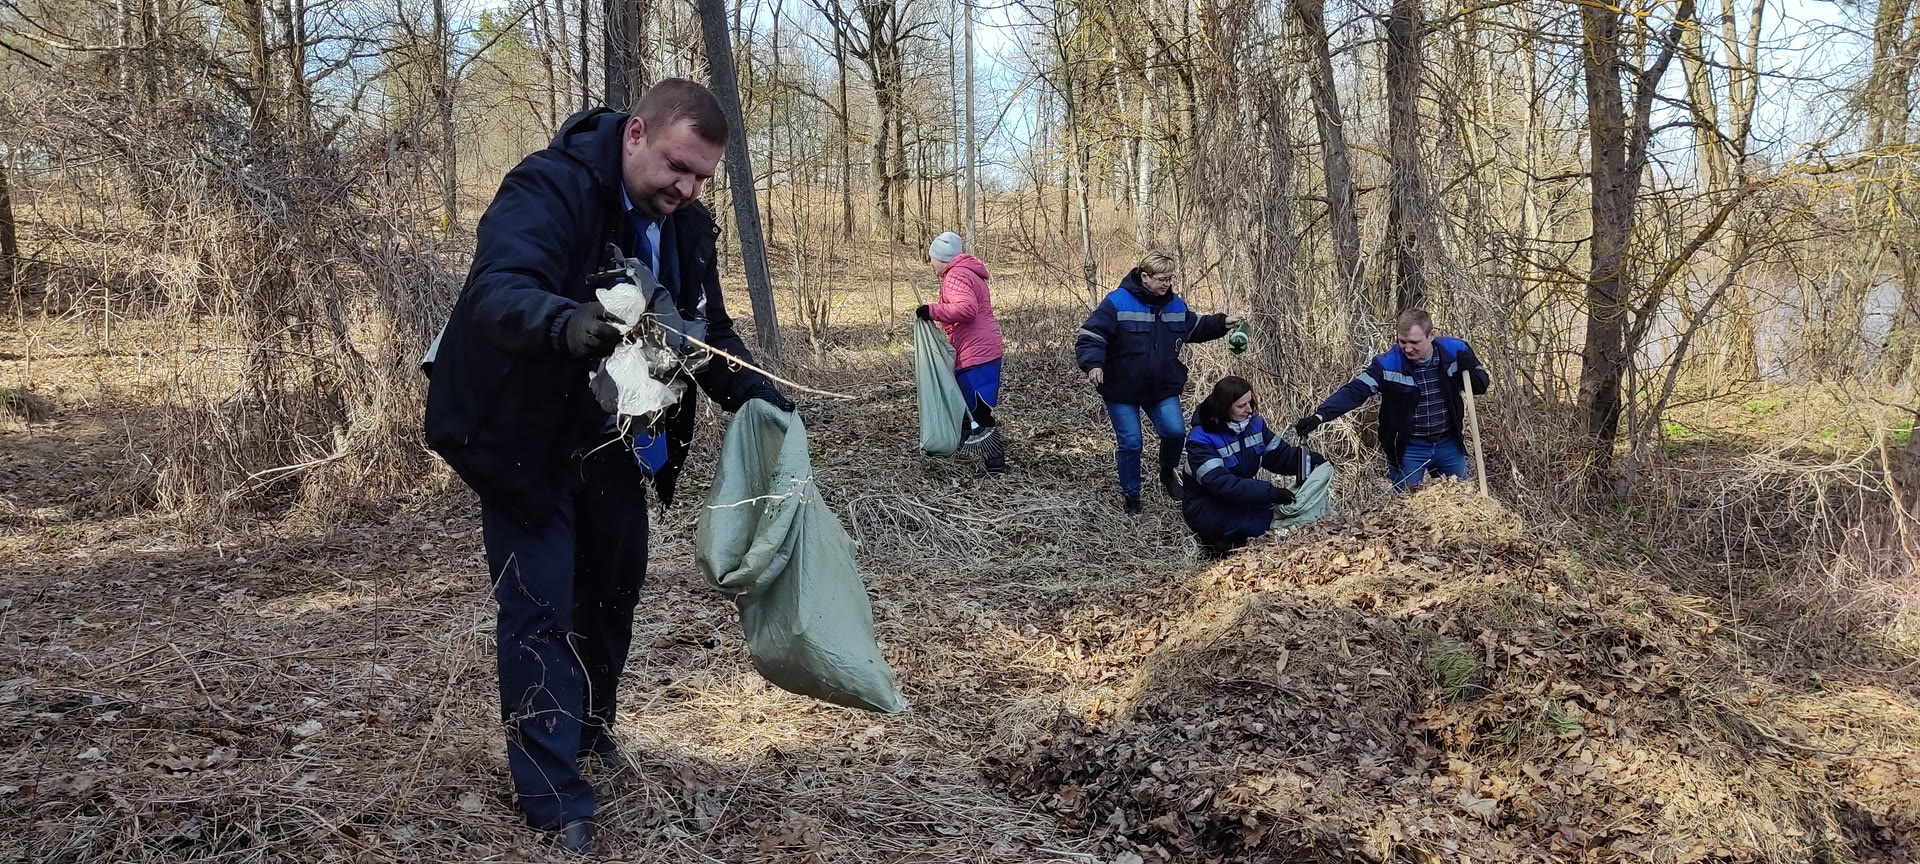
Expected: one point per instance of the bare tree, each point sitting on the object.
(972, 155)
(625, 53)
(876, 34)
(1408, 216)
(1618, 142)
(746, 210)
(1342, 198)
(9, 243)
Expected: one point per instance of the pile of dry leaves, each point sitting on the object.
(1430, 684)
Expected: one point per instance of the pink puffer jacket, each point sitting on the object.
(965, 311)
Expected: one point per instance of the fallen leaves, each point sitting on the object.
(1435, 683)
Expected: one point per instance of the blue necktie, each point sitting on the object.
(642, 244)
(649, 446)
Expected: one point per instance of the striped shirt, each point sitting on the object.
(1430, 413)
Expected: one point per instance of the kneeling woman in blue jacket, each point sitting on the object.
(1225, 501)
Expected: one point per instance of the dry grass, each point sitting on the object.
(321, 688)
(23, 408)
(206, 695)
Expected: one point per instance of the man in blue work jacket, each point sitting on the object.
(1420, 402)
(562, 488)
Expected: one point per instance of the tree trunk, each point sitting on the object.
(1278, 298)
(1407, 217)
(1342, 199)
(1603, 355)
(300, 98)
(586, 55)
(1143, 165)
(972, 155)
(1891, 77)
(259, 66)
(123, 20)
(746, 211)
(1711, 159)
(896, 75)
(622, 58)
(1617, 143)
(10, 245)
(443, 107)
(1089, 270)
(561, 52)
(543, 19)
(846, 136)
(880, 211)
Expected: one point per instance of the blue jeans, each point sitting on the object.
(1167, 420)
(1436, 456)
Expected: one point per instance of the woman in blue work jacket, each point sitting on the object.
(1225, 501)
(1129, 348)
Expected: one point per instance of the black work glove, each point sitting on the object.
(923, 312)
(590, 333)
(766, 392)
(1281, 495)
(1305, 425)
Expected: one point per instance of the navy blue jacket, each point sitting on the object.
(507, 405)
(1391, 376)
(1224, 500)
(1136, 337)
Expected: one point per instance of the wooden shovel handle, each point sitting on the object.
(1473, 428)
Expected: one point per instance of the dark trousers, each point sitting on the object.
(566, 589)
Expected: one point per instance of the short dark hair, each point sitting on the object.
(676, 99)
(1216, 411)
(1413, 318)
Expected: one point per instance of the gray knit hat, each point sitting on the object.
(944, 248)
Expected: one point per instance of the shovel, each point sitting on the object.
(1473, 429)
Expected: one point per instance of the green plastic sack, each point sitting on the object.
(942, 407)
(1311, 499)
(767, 538)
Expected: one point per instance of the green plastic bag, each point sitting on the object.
(767, 538)
(942, 407)
(1311, 499)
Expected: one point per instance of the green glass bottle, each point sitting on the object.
(1237, 339)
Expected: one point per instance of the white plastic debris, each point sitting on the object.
(625, 302)
(632, 368)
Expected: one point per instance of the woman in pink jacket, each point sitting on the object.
(965, 311)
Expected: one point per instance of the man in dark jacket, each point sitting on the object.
(1420, 402)
(1130, 349)
(563, 488)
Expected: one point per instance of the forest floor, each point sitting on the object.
(1415, 679)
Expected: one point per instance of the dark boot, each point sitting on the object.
(1132, 505)
(577, 836)
(1170, 450)
(1172, 483)
(992, 464)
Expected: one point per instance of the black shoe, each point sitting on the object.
(1172, 483)
(990, 472)
(1132, 505)
(577, 836)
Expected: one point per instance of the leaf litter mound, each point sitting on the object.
(1429, 683)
